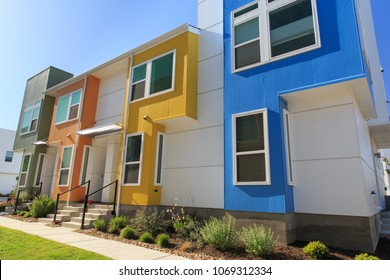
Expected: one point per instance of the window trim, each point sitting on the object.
(139, 162)
(267, 182)
(31, 107)
(68, 107)
(148, 76)
(70, 165)
(162, 159)
(264, 25)
(287, 147)
(28, 169)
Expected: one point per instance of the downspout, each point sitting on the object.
(124, 132)
(77, 137)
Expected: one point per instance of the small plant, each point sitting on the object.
(100, 225)
(316, 250)
(27, 214)
(187, 247)
(21, 212)
(117, 223)
(257, 240)
(162, 240)
(128, 233)
(219, 233)
(41, 206)
(150, 221)
(366, 257)
(147, 237)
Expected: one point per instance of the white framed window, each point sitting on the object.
(9, 155)
(268, 30)
(30, 117)
(68, 107)
(159, 159)
(38, 174)
(250, 148)
(133, 160)
(24, 170)
(156, 76)
(66, 160)
(287, 143)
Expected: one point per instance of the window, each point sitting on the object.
(133, 161)
(9, 156)
(287, 144)
(24, 171)
(68, 107)
(65, 166)
(154, 76)
(273, 29)
(38, 176)
(30, 117)
(159, 159)
(84, 165)
(251, 159)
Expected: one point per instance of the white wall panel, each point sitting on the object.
(210, 75)
(7, 182)
(112, 83)
(333, 187)
(211, 42)
(325, 133)
(364, 140)
(110, 105)
(194, 187)
(210, 12)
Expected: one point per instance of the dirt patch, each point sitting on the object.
(21, 218)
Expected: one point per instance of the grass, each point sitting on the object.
(17, 245)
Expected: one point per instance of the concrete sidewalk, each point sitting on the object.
(112, 249)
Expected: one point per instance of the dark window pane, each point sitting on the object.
(73, 112)
(138, 91)
(292, 27)
(9, 156)
(64, 177)
(159, 159)
(139, 73)
(250, 133)
(251, 168)
(85, 165)
(39, 172)
(33, 125)
(26, 162)
(246, 10)
(247, 54)
(131, 173)
(246, 31)
(133, 152)
(161, 77)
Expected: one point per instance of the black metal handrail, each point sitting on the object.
(88, 195)
(72, 189)
(25, 189)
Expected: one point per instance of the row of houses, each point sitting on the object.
(271, 112)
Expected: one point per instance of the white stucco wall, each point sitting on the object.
(8, 170)
(193, 163)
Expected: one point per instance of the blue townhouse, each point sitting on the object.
(305, 118)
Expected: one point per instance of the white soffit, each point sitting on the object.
(99, 130)
(380, 132)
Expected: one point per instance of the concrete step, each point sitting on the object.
(69, 213)
(385, 215)
(75, 225)
(48, 220)
(385, 221)
(73, 208)
(99, 211)
(87, 221)
(101, 206)
(60, 217)
(94, 216)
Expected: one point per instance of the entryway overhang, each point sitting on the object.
(380, 132)
(99, 130)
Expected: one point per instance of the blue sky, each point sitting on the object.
(77, 35)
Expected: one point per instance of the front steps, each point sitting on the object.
(385, 228)
(71, 216)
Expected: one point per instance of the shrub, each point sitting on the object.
(366, 257)
(189, 229)
(41, 206)
(117, 223)
(219, 233)
(147, 237)
(317, 250)
(187, 247)
(100, 224)
(257, 240)
(27, 214)
(150, 221)
(162, 240)
(128, 233)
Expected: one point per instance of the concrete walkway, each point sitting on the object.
(112, 249)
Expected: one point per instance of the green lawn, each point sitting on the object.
(17, 245)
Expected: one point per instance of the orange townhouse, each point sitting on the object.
(74, 110)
